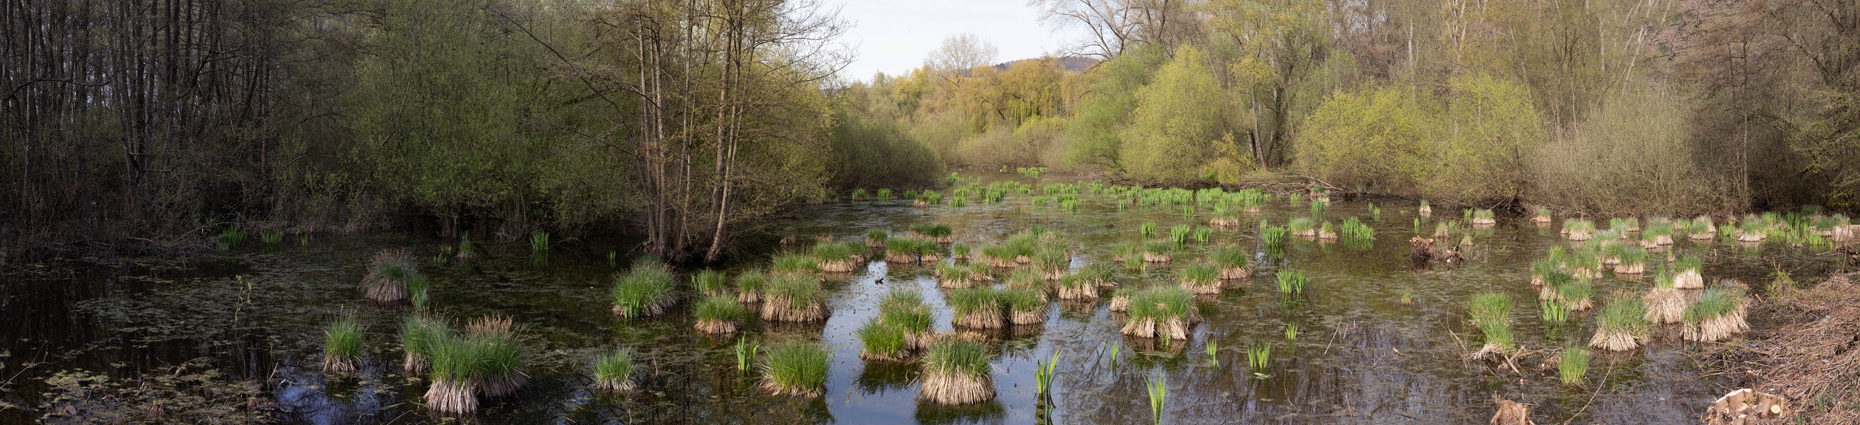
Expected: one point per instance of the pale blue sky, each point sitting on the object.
(894, 36)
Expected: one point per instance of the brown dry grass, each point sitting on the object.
(1810, 356)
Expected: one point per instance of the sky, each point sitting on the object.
(894, 36)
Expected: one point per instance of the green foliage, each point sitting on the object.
(1095, 131)
(1259, 356)
(1158, 387)
(1468, 146)
(745, 353)
(231, 238)
(342, 338)
(882, 340)
(956, 355)
(1291, 281)
(643, 291)
(722, 308)
(1179, 124)
(1572, 365)
(796, 366)
(539, 242)
(1043, 375)
(1229, 257)
(616, 366)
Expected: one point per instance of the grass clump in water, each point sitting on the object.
(231, 238)
(794, 298)
(643, 292)
(793, 262)
(1158, 387)
(388, 274)
(1147, 230)
(1303, 227)
(1179, 235)
(1026, 305)
(718, 314)
(1717, 315)
(613, 372)
(1201, 278)
(1629, 259)
(1621, 324)
(1259, 357)
(1291, 281)
(882, 341)
(956, 371)
(796, 368)
(1572, 365)
(975, 308)
(839, 257)
(1232, 261)
(749, 285)
(709, 282)
(342, 345)
(418, 335)
(1161, 312)
(1158, 252)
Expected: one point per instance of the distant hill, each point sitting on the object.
(1068, 63)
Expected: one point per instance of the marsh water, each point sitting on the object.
(89, 340)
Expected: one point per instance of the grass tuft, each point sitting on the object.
(795, 368)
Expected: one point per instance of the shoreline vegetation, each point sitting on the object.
(483, 127)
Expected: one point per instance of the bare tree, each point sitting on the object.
(962, 52)
(1113, 25)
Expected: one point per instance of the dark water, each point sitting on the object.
(88, 341)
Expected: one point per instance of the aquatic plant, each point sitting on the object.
(793, 262)
(954, 276)
(709, 282)
(1483, 217)
(859, 194)
(884, 195)
(1302, 227)
(1630, 259)
(1325, 232)
(937, 232)
(613, 372)
(418, 334)
(503, 355)
(1718, 315)
(231, 238)
(642, 292)
(1026, 306)
(1291, 281)
(796, 368)
(839, 257)
(1686, 275)
(903, 250)
(1572, 365)
(1158, 386)
(1201, 278)
(342, 345)
(1490, 308)
(1407, 296)
(1576, 294)
(745, 353)
(1578, 229)
(1147, 229)
(1424, 209)
(1665, 304)
(718, 314)
(977, 308)
(1259, 356)
(388, 274)
(1078, 287)
(959, 251)
(1554, 311)
(465, 250)
(882, 342)
(1356, 230)
(1179, 234)
(539, 242)
(417, 292)
(1161, 312)
(1273, 235)
(458, 367)
(749, 285)
(1543, 216)
(956, 371)
(271, 239)
(1052, 262)
(875, 238)
(1232, 261)
(1043, 374)
(1621, 324)
(794, 298)
(1158, 252)
(1291, 331)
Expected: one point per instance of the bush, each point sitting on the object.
(870, 152)
(1093, 137)
(1383, 123)
(1468, 146)
(1180, 117)
(1633, 155)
